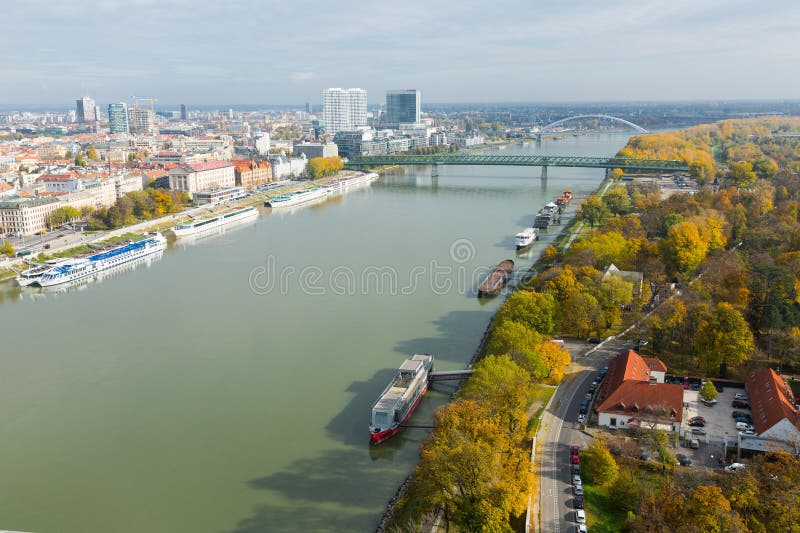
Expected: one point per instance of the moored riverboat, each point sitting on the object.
(496, 279)
(399, 400)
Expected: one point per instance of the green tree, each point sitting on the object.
(709, 392)
(598, 465)
(534, 309)
(742, 174)
(80, 160)
(617, 202)
(593, 211)
(512, 336)
(723, 338)
(503, 387)
(7, 249)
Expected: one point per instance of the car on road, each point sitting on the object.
(740, 404)
(576, 479)
(733, 467)
(683, 459)
(577, 502)
(578, 490)
(741, 396)
(700, 432)
(580, 516)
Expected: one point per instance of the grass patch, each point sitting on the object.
(541, 394)
(601, 515)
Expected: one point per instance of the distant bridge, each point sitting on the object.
(544, 161)
(549, 127)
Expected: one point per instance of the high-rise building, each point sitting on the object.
(86, 110)
(402, 107)
(118, 118)
(184, 113)
(142, 121)
(344, 109)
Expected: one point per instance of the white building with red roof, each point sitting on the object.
(207, 176)
(633, 394)
(776, 417)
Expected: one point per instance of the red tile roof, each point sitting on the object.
(627, 390)
(209, 165)
(655, 364)
(771, 399)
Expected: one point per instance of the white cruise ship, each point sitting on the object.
(207, 224)
(81, 267)
(526, 237)
(35, 271)
(296, 198)
(346, 183)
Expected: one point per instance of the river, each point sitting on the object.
(227, 386)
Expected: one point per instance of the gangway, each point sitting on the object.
(448, 375)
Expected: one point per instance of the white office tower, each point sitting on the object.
(344, 109)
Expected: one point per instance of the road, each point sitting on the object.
(560, 430)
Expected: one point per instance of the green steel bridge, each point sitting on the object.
(544, 161)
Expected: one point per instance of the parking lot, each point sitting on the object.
(719, 426)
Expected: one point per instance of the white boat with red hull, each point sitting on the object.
(399, 400)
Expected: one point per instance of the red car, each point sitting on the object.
(575, 459)
(574, 449)
(697, 419)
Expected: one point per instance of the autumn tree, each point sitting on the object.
(503, 386)
(741, 173)
(593, 211)
(723, 338)
(533, 309)
(710, 511)
(616, 201)
(684, 247)
(92, 153)
(555, 358)
(7, 249)
(708, 391)
(598, 465)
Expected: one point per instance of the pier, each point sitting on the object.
(450, 375)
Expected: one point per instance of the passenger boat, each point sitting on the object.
(81, 267)
(35, 271)
(398, 401)
(101, 275)
(526, 237)
(296, 198)
(209, 223)
(346, 183)
(549, 214)
(496, 279)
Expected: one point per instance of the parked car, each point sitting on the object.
(748, 433)
(593, 340)
(683, 459)
(575, 459)
(700, 418)
(736, 414)
(740, 404)
(694, 444)
(580, 516)
(581, 418)
(577, 502)
(581, 528)
(733, 467)
(700, 432)
(742, 426)
(576, 479)
(741, 396)
(709, 403)
(576, 469)
(578, 490)
(747, 419)
(697, 423)
(574, 449)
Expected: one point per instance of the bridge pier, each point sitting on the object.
(544, 172)
(434, 170)
(539, 138)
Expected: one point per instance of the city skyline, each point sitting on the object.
(517, 52)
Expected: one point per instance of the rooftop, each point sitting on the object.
(771, 399)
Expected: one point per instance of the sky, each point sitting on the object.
(287, 52)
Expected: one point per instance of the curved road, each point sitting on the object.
(560, 430)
